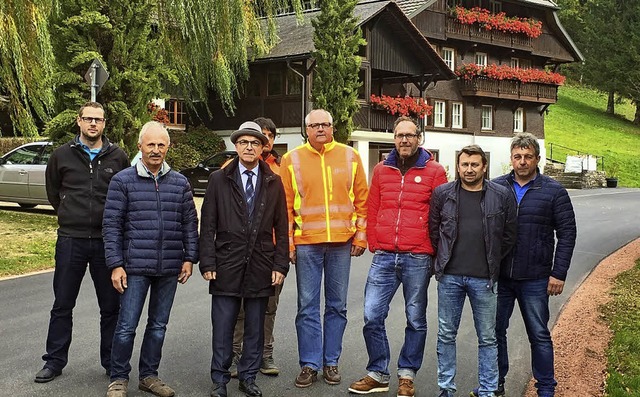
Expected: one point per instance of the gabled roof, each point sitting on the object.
(296, 39)
(412, 7)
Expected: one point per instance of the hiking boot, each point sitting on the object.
(46, 375)
(233, 369)
(268, 367)
(498, 393)
(405, 387)
(306, 377)
(331, 375)
(368, 385)
(445, 393)
(118, 388)
(153, 385)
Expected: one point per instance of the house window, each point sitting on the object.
(454, 3)
(495, 6)
(456, 115)
(448, 55)
(525, 63)
(481, 59)
(274, 83)
(175, 109)
(487, 117)
(518, 120)
(294, 83)
(515, 62)
(438, 114)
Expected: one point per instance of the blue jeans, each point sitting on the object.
(72, 256)
(534, 306)
(163, 290)
(318, 344)
(452, 290)
(389, 270)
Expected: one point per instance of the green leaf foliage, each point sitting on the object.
(337, 40)
(26, 63)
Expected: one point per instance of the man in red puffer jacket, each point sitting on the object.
(398, 234)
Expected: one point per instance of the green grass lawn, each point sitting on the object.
(623, 317)
(27, 242)
(579, 121)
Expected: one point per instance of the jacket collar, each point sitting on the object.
(423, 158)
(536, 182)
(105, 143)
(327, 146)
(144, 172)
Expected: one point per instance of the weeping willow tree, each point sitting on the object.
(153, 48)
(26, 63)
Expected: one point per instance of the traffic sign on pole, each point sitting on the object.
(96, 76)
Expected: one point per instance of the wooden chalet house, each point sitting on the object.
(414, 48)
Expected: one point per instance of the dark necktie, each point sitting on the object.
(249, 191)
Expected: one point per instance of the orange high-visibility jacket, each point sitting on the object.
(326, 195)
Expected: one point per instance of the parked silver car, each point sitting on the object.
(22, 174)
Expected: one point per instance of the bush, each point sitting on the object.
(7, 144)
(190, 147)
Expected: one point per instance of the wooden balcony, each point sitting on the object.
(368, 118)
(457, 30)
(509, 89)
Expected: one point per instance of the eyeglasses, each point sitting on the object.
(317, 126)
(245, 143)
(97, 120)
(408, 137)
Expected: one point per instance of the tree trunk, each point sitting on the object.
(636, 118)
(610, 103)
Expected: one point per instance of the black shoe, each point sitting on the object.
(218, 390)
(249, 388)
(498, 393)
(46, 375)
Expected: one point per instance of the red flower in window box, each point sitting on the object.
(501, 22)
(504, 72)
(157, 113)
(402, 106)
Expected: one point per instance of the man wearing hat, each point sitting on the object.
(243, 254)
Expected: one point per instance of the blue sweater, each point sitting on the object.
(150, 227)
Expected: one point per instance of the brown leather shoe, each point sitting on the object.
(307, 377)
(155, 386)
(331, 375)
(405, 388)
(368, 385)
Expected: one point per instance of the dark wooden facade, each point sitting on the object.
(401, 58)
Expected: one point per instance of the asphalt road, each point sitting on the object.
(607, 220)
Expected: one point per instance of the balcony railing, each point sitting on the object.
(509, 89)
(456, 29)
(373, 119)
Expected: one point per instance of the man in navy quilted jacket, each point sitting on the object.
(398, 235)
(537, 267)
(150, 230)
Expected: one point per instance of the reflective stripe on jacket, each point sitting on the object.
(326, 195)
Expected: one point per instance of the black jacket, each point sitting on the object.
(77, 188)
(545, 214)
(498, 222)
(243, 254)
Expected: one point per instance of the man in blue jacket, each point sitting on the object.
(534, 270)
(150, 232)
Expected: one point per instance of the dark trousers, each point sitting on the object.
(224, 313)
(72, 256)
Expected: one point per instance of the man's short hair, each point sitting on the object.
(153, 124)
(306, 118)
(266, 124)
(526, 140)
(470, 150)
(89, 105)
(409, 119)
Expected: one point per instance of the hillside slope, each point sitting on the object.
(579, 121)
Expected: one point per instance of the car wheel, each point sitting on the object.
(26, 205)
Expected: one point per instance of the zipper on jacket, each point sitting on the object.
(399, 210)
(160, 227)
(515, 197)
(327, 215)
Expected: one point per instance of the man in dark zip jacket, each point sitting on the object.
(537, 267)
(472, 224)
(77, 178)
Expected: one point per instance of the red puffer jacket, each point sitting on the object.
(398, 206)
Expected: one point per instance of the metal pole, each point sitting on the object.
(94, 85)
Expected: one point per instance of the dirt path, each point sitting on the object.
(580, 337)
